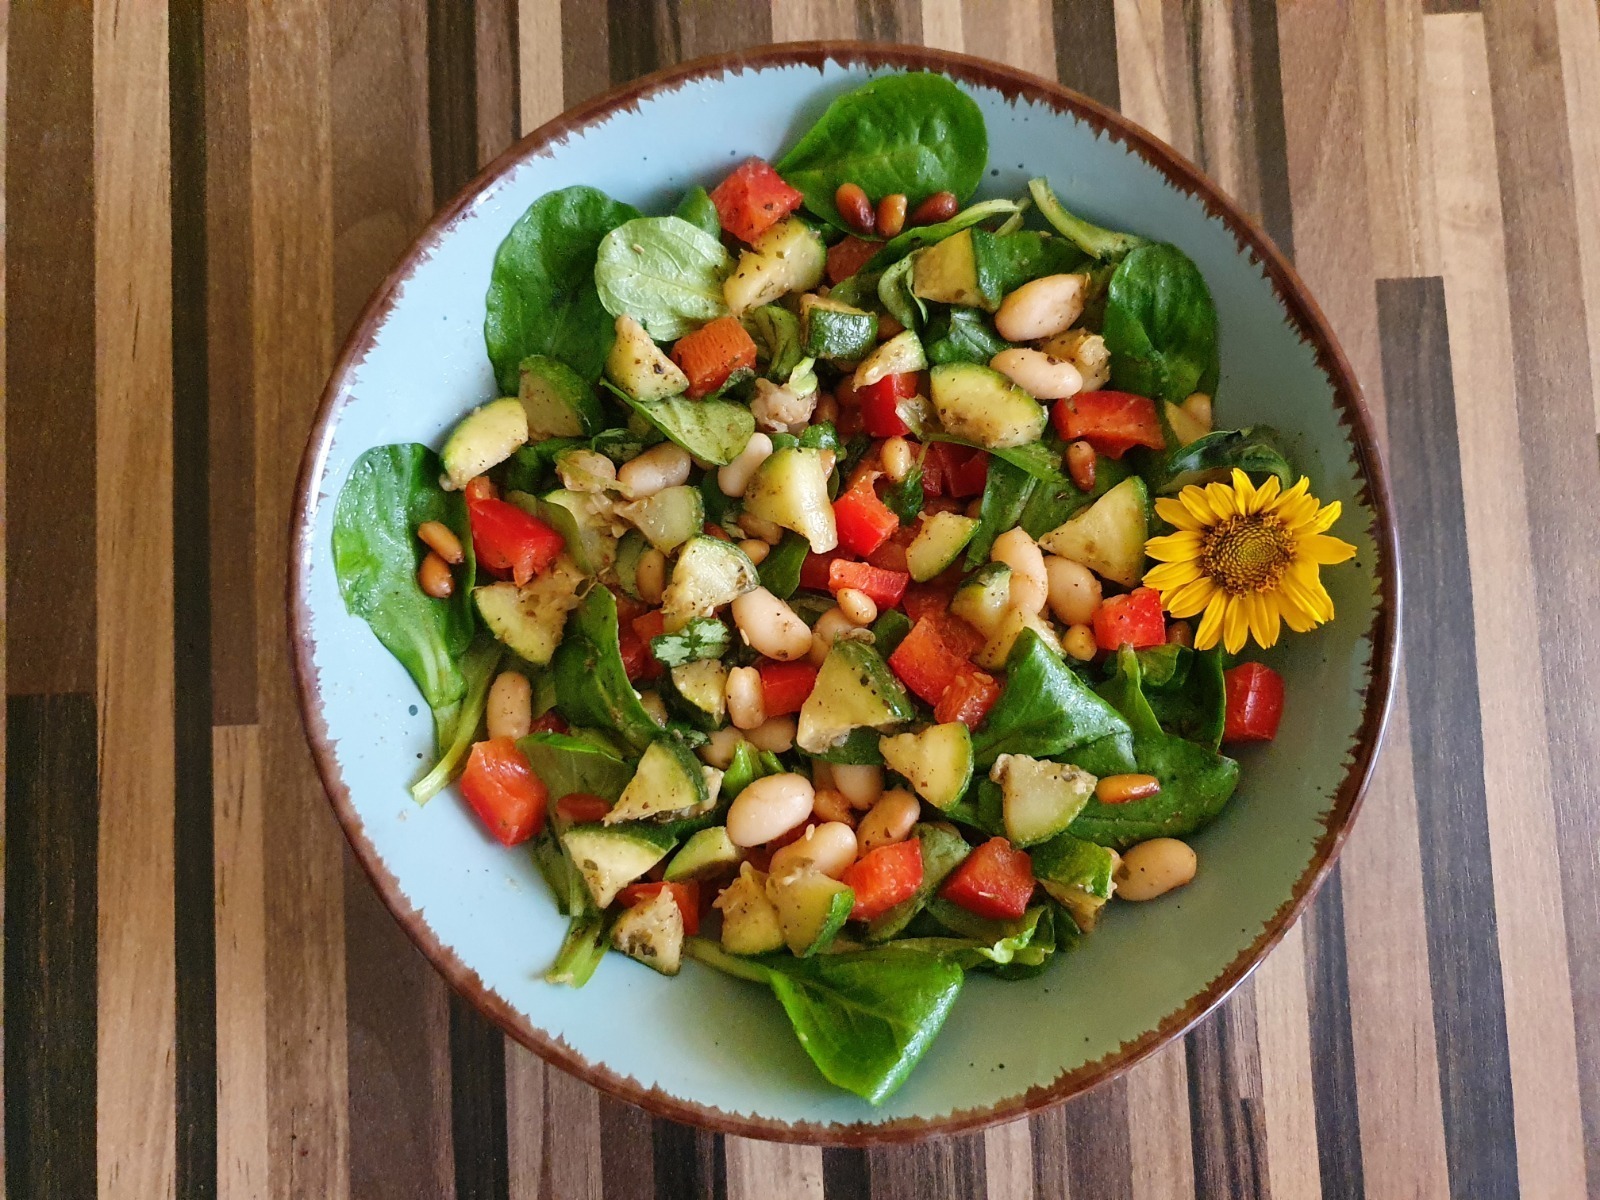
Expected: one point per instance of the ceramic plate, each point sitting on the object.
(716, 1051)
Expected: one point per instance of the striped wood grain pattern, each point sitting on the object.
(204, 998)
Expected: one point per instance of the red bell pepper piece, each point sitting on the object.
(924, 663)
(503, 790)
(921, 599)
(753, 199)
(1255, 703)
(1112, 422)
(685, 895)
(504, 538)
(551, 722)
(883, 587)
(847, 257)
(712, 353)
(785, 686)
(878, 401)
(864, 521)
(995, 881)
(960, 470)
(814, 570)
(967, 700)
(1132, 620)
(582, 808)
(633, 639)
(884, 877)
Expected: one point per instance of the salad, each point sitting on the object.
(849, 590)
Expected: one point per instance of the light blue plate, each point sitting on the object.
(719, 1052)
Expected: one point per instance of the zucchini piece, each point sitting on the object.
(641, 368)
(1007, 629)
(836, 331)
(789, 257)
(948, 272)
(709, 574)
(629, 549)
(855, 689)
(1040, 798)
(558, 403)
(484, 438)
(983, 597)
(985, 407)
(669, 518)
(583, 521)
(749, 919)
(1077, 874)
(1185, 426)
(812, 908)
(900, 354)
(668, 780)
(1109, 536)
(936, 762)
(652, 933)
(939, 543)
(790, 489)
(708, 852)
(696, 692)
(529, 619)
(611, 857)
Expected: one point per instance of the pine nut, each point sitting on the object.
(721, 746)
(826, 631)
(1120, 789)
(481, 487)
(1180, 633)
(775, 734)
(828, 848)
(1074, 591)
(858, 607)
(655, 706)
(1038, 374)
(760, 527)
(509, 712)
(975, 507)
(889, 821)
(770, 627)
(1081, 463)
(735, 477)
(1079, 643)
(896, 455)
(1030, 586)
(888, 326)
(854, 207)
(438, 537)
(940, 206)
(830, 805)
(1041, 308)
(860, 785)
(1198, 406)
(756, 551)
(769, 808)
(663, 466)
(746, 705)
(891, 214)
(434, 577)
(821, 774)
(650, 576)
(1155, 868)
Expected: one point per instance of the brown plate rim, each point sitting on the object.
(1309, 322)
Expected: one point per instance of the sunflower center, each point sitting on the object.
(1247, 554)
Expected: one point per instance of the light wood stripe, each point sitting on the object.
(1153, 71)
(941, 24)
(1287, 1103)
(1578, 34)
(1399, 165)
(1026, 39)
(1008, 1161)
(136, 1143)
(539, 79)
(805, 20)
(1159, 1145)
(770, 1171)
(5, 43)
(497, 50)
(1522, 828)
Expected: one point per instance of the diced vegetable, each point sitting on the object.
(712, 354)
(684, 894)
(847, 256)
(900, 355)
(936, 762)
(753, 199)
(854, 690)
(1078, 875)
(948, 272)
(708, 852)
(580, 808)
(651, 931)
(785, 686)
(557, 400)
(1108, 537)
(695, 692)
(709, 573)
(1255, 703)
(609, 857)
(790, 489)
(750, 922)
(879, 401)
(812, 908)
(786, 258)
(984, 406)
(1112, 422)
(834, 330)
(995, 881)
(1007, 630)
(968, 699)
(583, 519)
(884, 877)
(508, 540)
(861, 520)
(883, 587)
(1131, 620)
(529, 620)
(924, 662)
(638, 366)
(1040, 798)
(669, 779)
(668, 518)
(939, 543)
(982, 600)
(503, 790)
(1186, 427)
(484, 438)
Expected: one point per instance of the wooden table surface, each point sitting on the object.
(203, 996)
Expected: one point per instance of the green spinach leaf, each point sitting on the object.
(1186, 692)
(568, 764)
(1013, 259)
(981, 939)
(391, 490)
(478, 669)
(962, 334)
(889, 630)
(902, 244)
(776, 333)
(1161, 326)
(905, 498)
(664, 273)
(1052, 502)
(542, 298)
(713, 431)
(1103, 244)
(1045, 709)
(914, 133)
(1212, 457)
(588, 938)
(780, 570)
(860, 291)
(697, 209)
(1005, 494)
(897, 298)
(591, 683)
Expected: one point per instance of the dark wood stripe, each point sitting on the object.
(51, 850)
(50, 350)
(1450, 6)
(689, 1163)
(846, 1174)
(627, 1172)
(229, 345)
(1446, 742)
(939, 1167)
(195, 955)
(889, 21)
(1227, 1130)
(452, 95)
(585, 50)
(1086, 49)
(1256, 35)
(498, 70)
(1554, 402)
(1081, 1148)
(478, 1103)
(1333, 1058)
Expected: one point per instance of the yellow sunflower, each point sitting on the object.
(1247, 558)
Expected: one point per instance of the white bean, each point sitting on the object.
(1198, 406)
(1079, 643)
(1074, 590)
(769, 808)
(861, 785)
(1155, 868)
(770, 627)
(663, 466)
(759, 527)
(721, 746)
(858, 607)
(828, 848)
(1029, 584)
(650, 576)
(510, 709)
(827, 629)
(1041, 308)
(1038, 374)
(897, 458)
(889, 821)
(735, 477)
(1086, 351)
(775, 734)
(746, 706)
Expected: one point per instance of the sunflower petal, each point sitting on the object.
(1235, 628)
(1191, 598)
(1263, 615)
(1222, 500)
(1266, 495)
(1244, 492)
(1324, 550)
(1324, 519)
(1199, 505)
(1169, 577)
(1175, 547)
(1176, 514)
(1205, 637)
(1295, 617)
(1301, 584)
